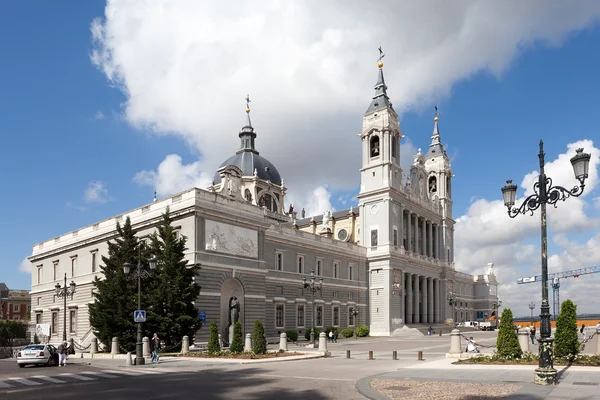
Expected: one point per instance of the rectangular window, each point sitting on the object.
(350, 272)
(395, 237)
(16, 308)
(39, 274)
(319, 315)
(55, 272)
(300, 264)
(336, 316)
(335, 295)
(94, 261)
(38, 318)
(72, 321)
(351, 316)
(279, 261)
(374, 238)
(54, 323)
(319, 267)
(336, 266)
(73, 266)
(279, 315)
(300, 312)
(39, 299)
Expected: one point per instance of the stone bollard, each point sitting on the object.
(220, 341)
(455, 347)
(146, 346)
(114, 349)
(597, 341)
(347, 353)
(93, 346)
(394, 355)
(185, 345)
(524, 339)
(128, 359)
(322, 342)
(248, 344)
(283, 342)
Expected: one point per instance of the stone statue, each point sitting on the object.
(326, 218)
(234, 310)
(303, 212)
(291, 209)
(248, 195)
(408, 184)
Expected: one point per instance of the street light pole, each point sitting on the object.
(64, 292)
(313, 286)
(354, 313)
(452, 300)
(139, 349)
(545, 193)
(531, 307)
(497, 304)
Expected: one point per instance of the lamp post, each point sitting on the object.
(313, 285)
(139, 274)
(531, 307)
(64, 292)
(452, 298)
(545, 193)
(497, 304)
(354, 312)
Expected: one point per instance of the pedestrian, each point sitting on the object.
(155, 347)
(429, 331)
(532, 334)
(471, 346)
(331, 336)
(335, 336)
(582, 330)
(63, 350)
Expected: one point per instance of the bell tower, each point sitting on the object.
(439, 187)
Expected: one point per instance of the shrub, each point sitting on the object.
(507, 344)
(259, 341)
(213, 346)
(362, 331)
(307, 334)
(237, 343)
(348, 332)
(292, 336)
(566, 341)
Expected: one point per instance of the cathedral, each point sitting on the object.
(387, 263)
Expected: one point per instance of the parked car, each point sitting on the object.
(37, 354)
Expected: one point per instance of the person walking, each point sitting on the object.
(583, 332)
(155, 347)
(532, 334)
(331, 336)
(63, 350)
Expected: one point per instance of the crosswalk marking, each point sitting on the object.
(5, 385)
(99, 374)
(24, 381)
(47, 378)
(81, 378)
(129, 373)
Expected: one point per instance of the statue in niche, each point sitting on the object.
(432, 185)
(303, 212)
(408, 184)
(375, 146)
(422, 187)
(326, 218)
(248, 195)
(234, 316)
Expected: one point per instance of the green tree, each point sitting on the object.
(507, 344)
(111, 314)
(237, 343)
(259, 341)
(213, 346)
(566, 341)
(173, 289)
(11, 330)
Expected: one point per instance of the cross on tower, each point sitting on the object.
(248, 101)
(381, 54)
(436, 113)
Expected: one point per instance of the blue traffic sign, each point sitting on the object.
(202, 316)
(139, 316)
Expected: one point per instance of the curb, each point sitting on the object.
(363, 386)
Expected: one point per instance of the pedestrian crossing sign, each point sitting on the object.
(139, 316)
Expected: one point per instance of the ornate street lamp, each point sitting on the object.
(545, 193)
(354, 312)
(452, 299)
(313, 285)
(497, 304)
(531, 307)
(64, 292)
(139, 275)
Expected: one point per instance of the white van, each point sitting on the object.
(471, 324)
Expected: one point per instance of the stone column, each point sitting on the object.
(436, 301)
(425, 301)
(409, 298)
(416, 299)
(430, 304)
(430, 239)
(408, 231)
(436, 241)
(401, 228)
(403, 299)
(424, 236)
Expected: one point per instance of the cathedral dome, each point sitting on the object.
(248, 161)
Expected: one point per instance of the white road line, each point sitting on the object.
(147, 371)
(5, 385)
(124, 372)
(304, 377)
(99, 374)
(79, 377)
(48, 378)
(24, 381)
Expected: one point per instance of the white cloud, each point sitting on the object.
(25, 266)
(314, 202)
(96, 192)
(309, 67)
(75, 206)
(487, 234)
(173, 176)
(99, 115)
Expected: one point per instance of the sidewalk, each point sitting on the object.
(441, 380)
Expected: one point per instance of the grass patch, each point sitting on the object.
(533, 359)
(246, 355)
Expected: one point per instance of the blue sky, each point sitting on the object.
(66, 127)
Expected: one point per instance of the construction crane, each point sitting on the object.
(555, 279)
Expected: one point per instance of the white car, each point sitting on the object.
(37, 354)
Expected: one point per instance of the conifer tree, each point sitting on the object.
(173, 288)
(507, 344)
(237, 344)
(213, 346)
(566, 340)
(259, 341)
(111, 314)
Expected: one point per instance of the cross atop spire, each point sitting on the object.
(248, 110)
(436, 148)
(381, 99)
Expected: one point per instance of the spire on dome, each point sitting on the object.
(247, 135)
(248, 110)
(381, 99)
(436, 148)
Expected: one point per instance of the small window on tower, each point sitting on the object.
(375, 146)
(394, 147)
(432, 184)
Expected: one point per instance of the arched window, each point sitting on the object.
(248, 195)
(268, 202)
(432, 185)
(375, 146)
(395, 144)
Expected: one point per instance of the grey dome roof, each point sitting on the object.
(247, 161)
